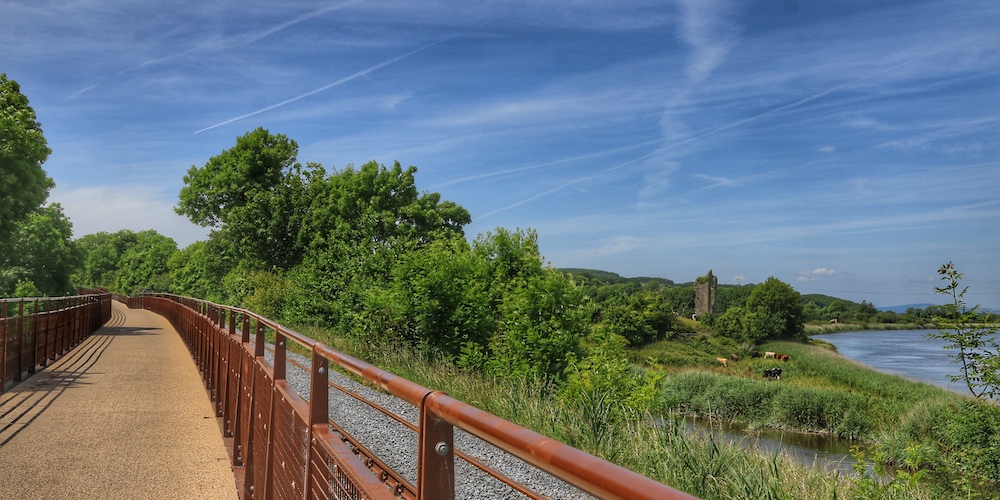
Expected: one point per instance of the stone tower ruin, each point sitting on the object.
(705, 290)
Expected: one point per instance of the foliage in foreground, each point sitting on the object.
(977, 346)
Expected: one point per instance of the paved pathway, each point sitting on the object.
(124, 415)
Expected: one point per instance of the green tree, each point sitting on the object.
(143, 265)
(438, 296)
(23, 183)
(774, 311)
(43, 246)
(359, 223)
(100, 259)
(198, 271)
(253, 195)
(542, 320)
(978, 351)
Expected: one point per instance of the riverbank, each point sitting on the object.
(824, 328)
(898, 422)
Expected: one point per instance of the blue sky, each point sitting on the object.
(846, 148)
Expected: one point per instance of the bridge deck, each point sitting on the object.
(124, 415)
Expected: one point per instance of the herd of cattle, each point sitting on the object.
(774, 373)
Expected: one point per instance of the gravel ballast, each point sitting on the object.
(396, 445)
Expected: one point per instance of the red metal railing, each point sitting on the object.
(34, 331)
(283, 446)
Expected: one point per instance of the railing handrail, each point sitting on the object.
(439, 414)
(33, 331)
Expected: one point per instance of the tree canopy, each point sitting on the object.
(44, 248)
(775, 311)
(24, 186)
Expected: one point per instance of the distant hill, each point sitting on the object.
(612, 278)
(902, 309)
(823, 300)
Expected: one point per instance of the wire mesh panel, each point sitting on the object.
(335, 472)
(244, 412)
(263, 388)
(290, 444)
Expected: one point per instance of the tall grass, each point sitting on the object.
(818, 391)
(659, 448)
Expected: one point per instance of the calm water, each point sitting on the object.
(908, 353)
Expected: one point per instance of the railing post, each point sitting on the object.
(435, 453)
(319, 410)
(45, 335)
(34, 337)
(3, 345)
(20, 340)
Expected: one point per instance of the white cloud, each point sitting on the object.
(815, 274)
(827, 149)
(707, 27)
(137, 208)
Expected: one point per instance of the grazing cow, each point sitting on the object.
(834, 320)
(774, 373)
(723, 361)
(768, 354)
(734, 357)
(783, 357)
(755, 353)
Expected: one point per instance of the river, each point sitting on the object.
(907, 353)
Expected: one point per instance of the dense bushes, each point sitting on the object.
(769, 403)
(957, 442)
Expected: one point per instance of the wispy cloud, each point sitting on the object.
(366, 71)
(815, 274)
(709, 27)
(133, 207)
(246, 38)
(717, 181)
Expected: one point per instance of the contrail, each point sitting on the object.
(721, 128)
(244, 39)
(545, 164)
(338, 82)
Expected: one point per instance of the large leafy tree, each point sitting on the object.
(126, 261)
(774, 311)
(143, 266)
(101, 253)
(977, 346)
(253, 195)
(359, 223)
(198, 271)
(23, 183)
(43, 247)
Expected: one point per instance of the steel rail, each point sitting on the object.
(475, 462)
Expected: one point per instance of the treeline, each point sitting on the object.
(37, 254)
(359, 250)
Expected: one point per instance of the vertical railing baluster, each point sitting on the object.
(3, 345)
(20, 339)
(34, 337)
(319, 410)
(435, 453)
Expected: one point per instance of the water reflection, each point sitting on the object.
(821, 450)
(907, 353)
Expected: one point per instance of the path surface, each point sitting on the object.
(124, 415)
